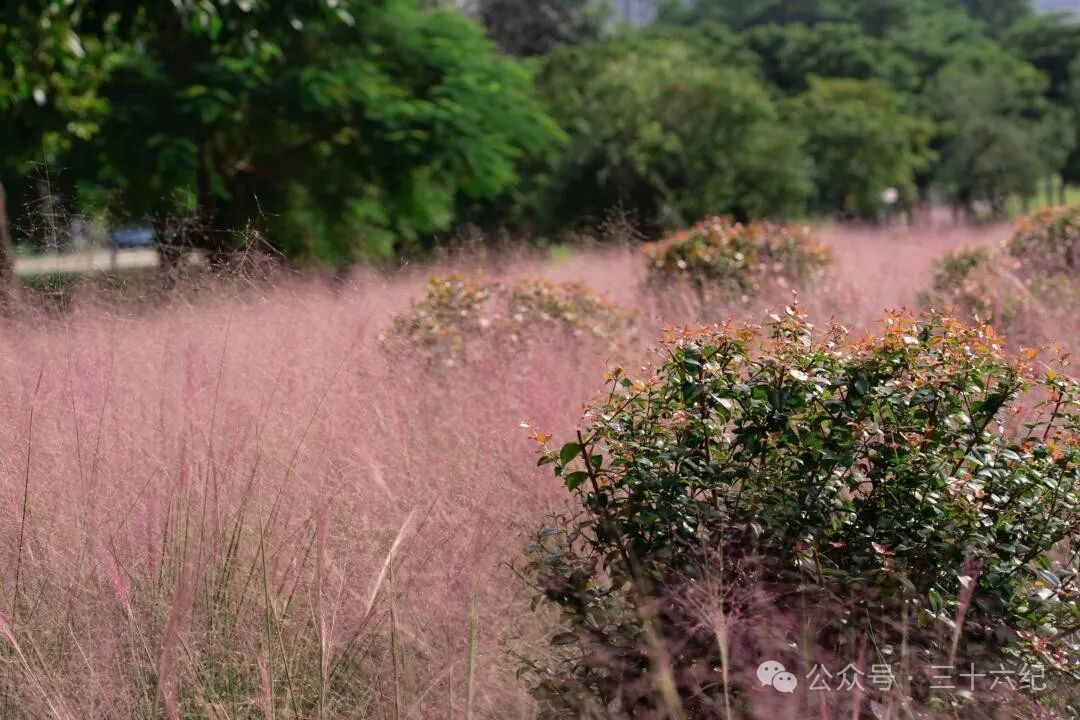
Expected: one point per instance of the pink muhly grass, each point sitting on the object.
(221, 487)
(5, 630)
(119, 583)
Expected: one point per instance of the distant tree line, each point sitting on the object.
(827, 107)
(350, 129)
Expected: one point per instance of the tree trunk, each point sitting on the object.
(210, 236)
(170, 241)
(8, 286)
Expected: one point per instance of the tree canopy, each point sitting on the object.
(861, 144)
(49, 73)
(1000, 135)
(666, 136)
(789, 56)
(347, 129)
(362, 126)
(536, 27)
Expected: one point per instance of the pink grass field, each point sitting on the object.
(242, 506)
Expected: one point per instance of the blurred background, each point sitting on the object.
(340, 131)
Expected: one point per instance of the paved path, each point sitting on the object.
(85, 261)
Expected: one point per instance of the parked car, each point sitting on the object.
(132, 236)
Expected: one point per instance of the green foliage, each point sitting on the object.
(861, 143)
(743, 14)
(458, 310)
(571, 306)
(450, 313)
(964, 283)
(1071, 171)
(724, 260)
(536, 27)
(1048, 242)
(791, 55)
(1001, 136)
(50, 69)
(1051, 43)
(997, 16)
(934, 80)
(366, 129)
(659, 131)
(1029, 288)
(985, 285)
(929, 40)
(376, 120)
(917, 489)
(876, 17)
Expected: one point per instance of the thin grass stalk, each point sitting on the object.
(268, 610)
(722, 639)
(471, 677)
(320, 612)
(8, 632)
(394, 659)
(25, 510)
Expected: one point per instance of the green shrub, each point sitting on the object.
(539, 303)
(861, 142)
(668, 129)
(1027, 288)
(976, 283)
(1047, 242)
(916, 490)
(450, 313)
(458, 309)
(725, 260)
